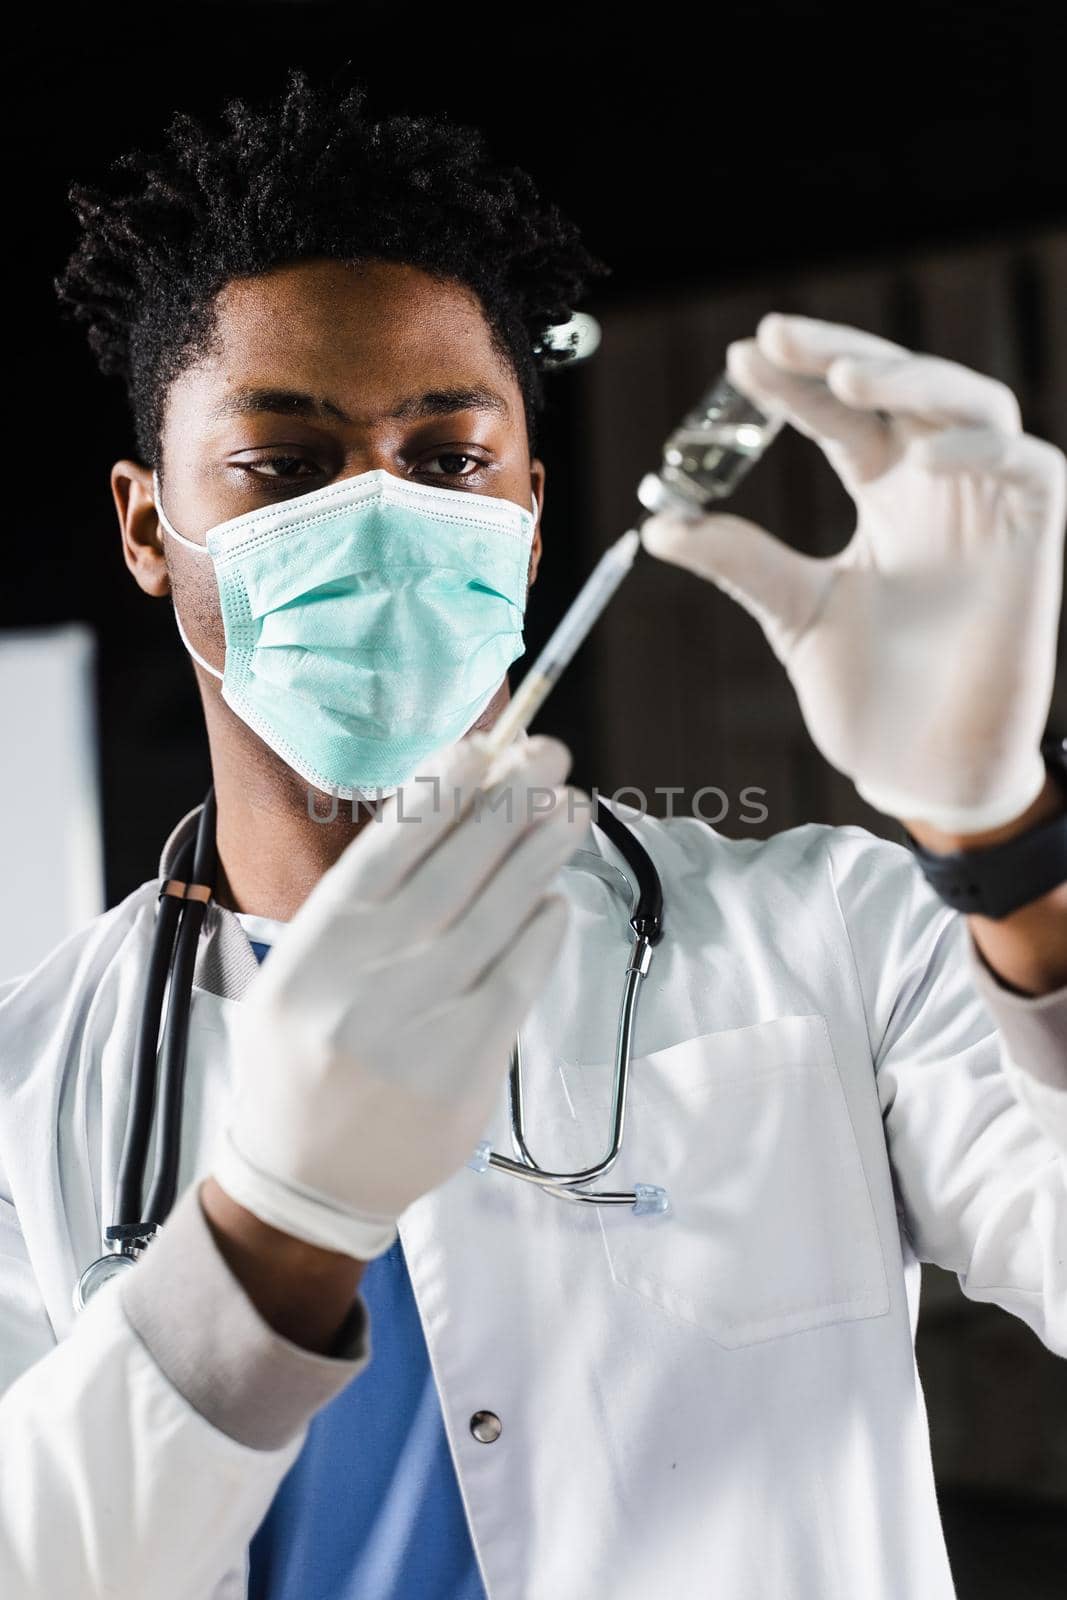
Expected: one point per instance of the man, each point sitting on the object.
(328, 330)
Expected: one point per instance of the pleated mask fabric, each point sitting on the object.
(367, 623)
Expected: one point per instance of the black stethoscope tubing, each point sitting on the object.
(159, 1064)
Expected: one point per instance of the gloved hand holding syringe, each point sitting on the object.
(704, 460)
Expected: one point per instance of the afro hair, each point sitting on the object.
(310, 175)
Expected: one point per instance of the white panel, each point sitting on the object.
(51, 865)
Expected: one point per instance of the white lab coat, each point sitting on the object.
(722, 1401)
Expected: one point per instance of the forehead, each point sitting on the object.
(362, 332)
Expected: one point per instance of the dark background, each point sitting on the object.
(724, 160)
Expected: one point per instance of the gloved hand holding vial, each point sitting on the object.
(954, 570)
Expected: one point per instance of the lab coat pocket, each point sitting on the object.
(771, 1228)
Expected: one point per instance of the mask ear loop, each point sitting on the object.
(172, 533)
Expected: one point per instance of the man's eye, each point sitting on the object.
(450, 456)
(281, 467)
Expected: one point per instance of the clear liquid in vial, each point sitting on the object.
(710, 452)
(715, 458)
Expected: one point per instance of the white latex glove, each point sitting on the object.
(372, 1044)
(923, 654)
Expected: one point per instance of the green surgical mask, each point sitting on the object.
(367, 623)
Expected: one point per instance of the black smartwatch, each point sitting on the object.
(997, 881)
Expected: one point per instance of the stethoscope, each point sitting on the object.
(645, 898)
(158, 1073)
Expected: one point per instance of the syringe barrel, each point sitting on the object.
(587, 605)
(575, 625)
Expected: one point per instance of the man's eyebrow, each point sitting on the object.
(415, 407)
(441, 402)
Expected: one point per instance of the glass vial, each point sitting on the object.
(712, 449)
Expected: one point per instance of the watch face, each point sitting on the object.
(96, 1275)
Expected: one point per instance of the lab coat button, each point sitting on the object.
(486, 1426)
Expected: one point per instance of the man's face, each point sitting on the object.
(320, 371)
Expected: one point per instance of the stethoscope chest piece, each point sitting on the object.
(97, 1273)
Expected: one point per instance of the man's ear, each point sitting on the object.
(537, 488)
(142, 538)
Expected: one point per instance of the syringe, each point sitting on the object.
(580, 616)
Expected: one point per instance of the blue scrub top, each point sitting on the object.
(371, 1508)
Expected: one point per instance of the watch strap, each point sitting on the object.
(998, 880)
